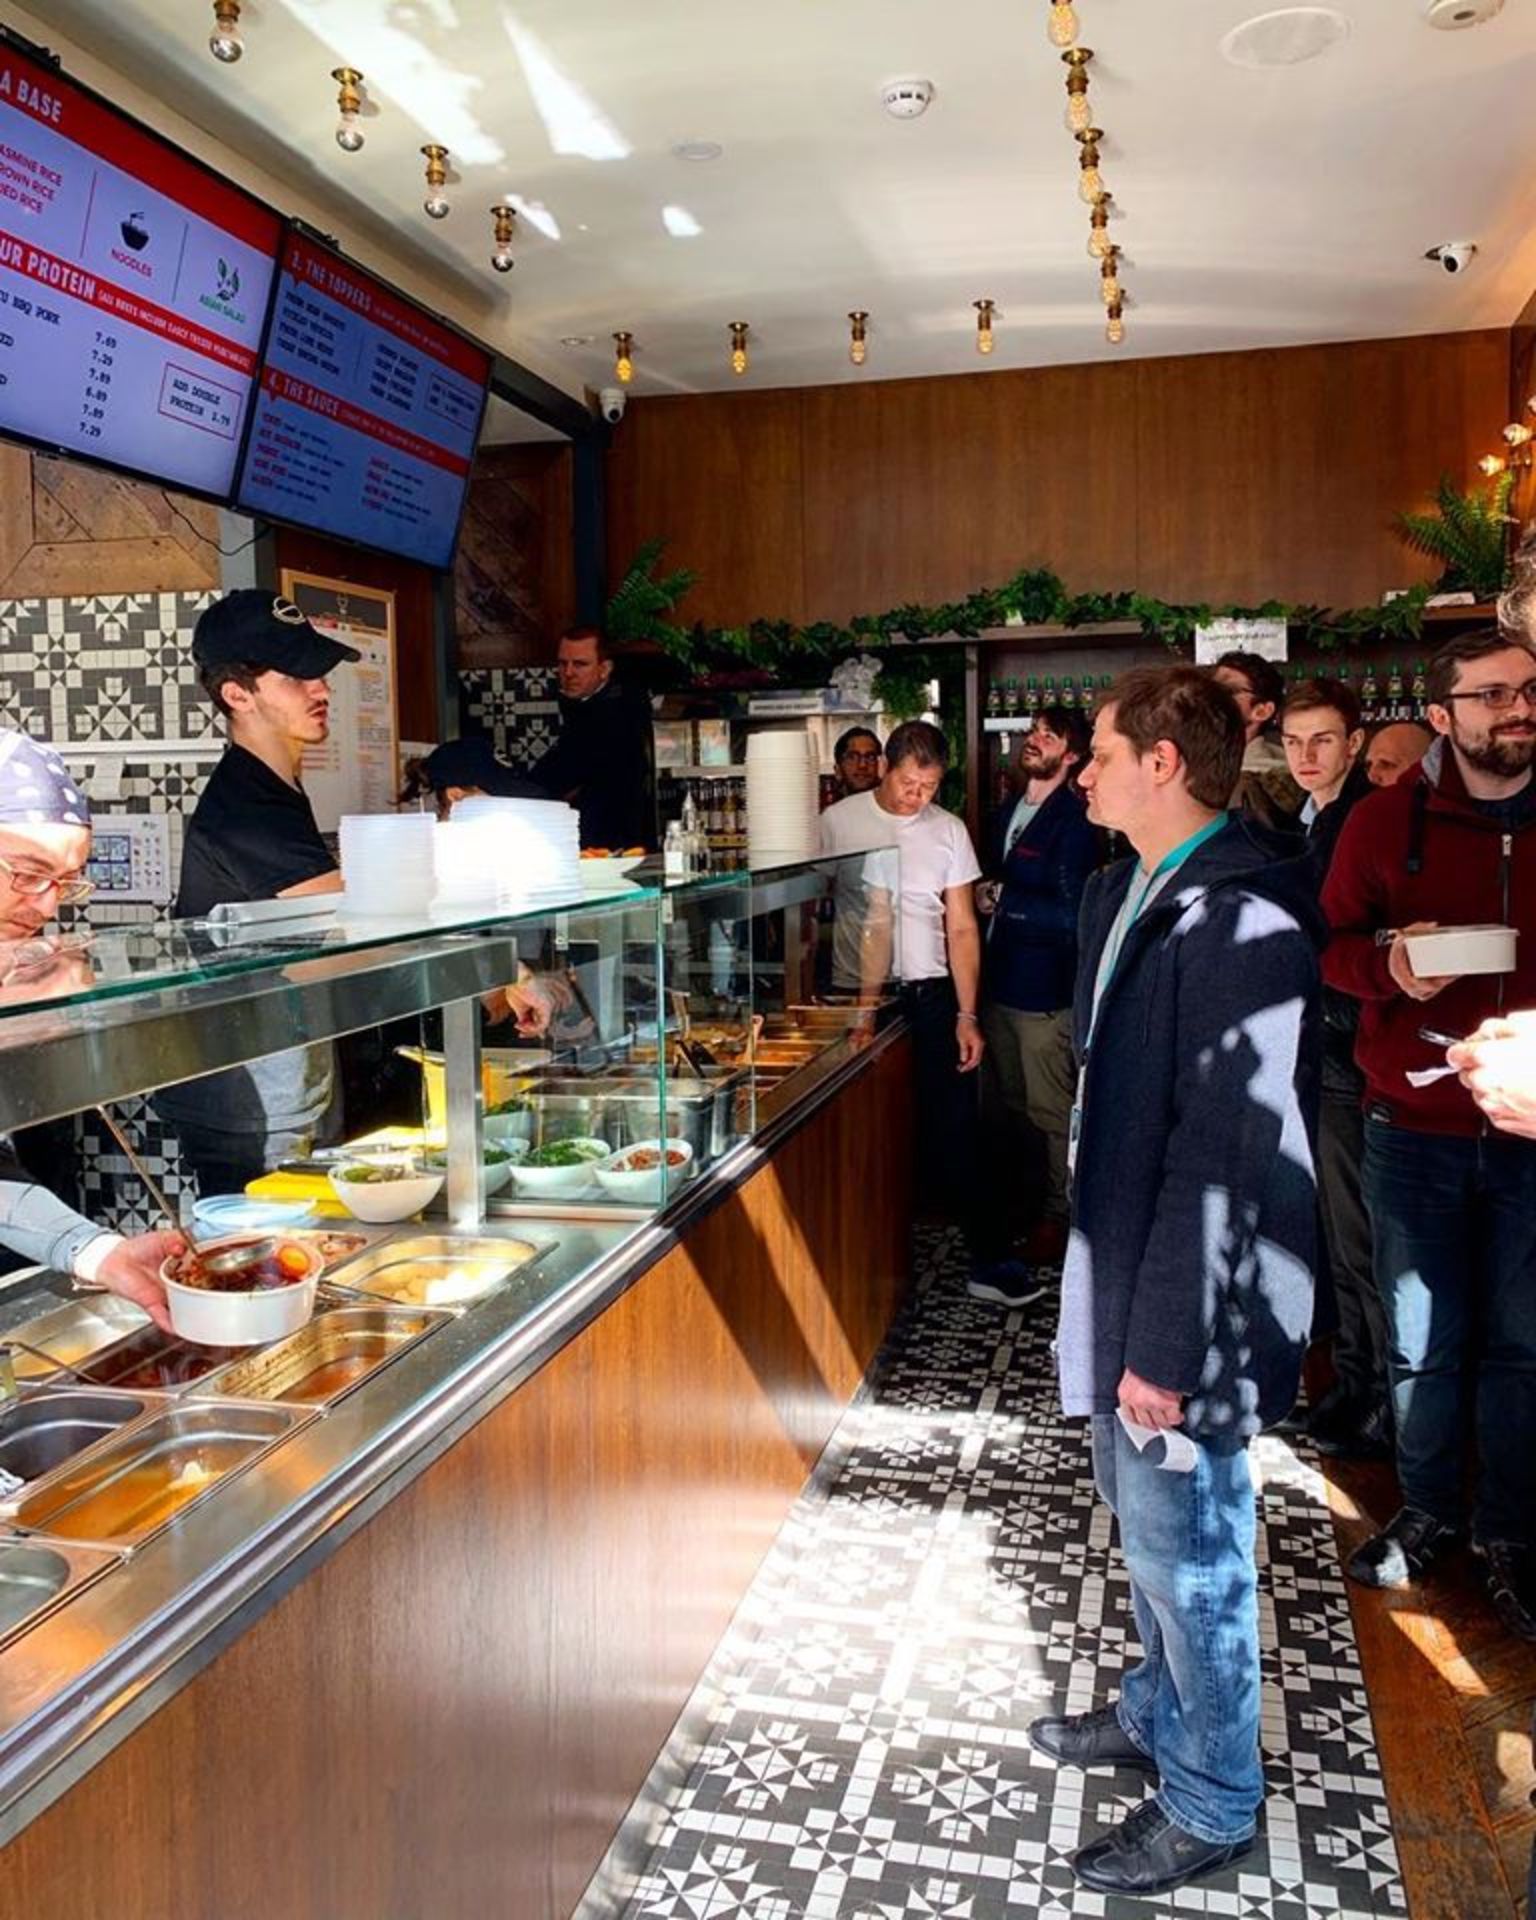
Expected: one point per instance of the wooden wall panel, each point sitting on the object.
(451, 1716)
(720, 478)
(1223, 477)
(514, 574)
(69, 530)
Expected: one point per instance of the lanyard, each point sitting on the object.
(1130, 912)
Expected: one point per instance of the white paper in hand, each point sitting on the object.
(1178, 1449)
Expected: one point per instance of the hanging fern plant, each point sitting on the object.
(1468, 535)
(640, 604)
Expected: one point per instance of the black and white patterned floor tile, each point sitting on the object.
(866, 1756)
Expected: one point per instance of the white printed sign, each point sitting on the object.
(1263, 637)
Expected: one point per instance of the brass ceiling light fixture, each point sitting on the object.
(224, 43)
(739, 332)
(1079, 113)
(1517, 433)
(858, 336)
(1090, 182)
(1490, 464)
(505, 222)
(985, 309)
(1061, 26)
(1109, 278)
(435, 206)
(349, 103)
(1114, 325)
(623, 358)
(1099, 242)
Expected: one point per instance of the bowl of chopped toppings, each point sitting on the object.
(646, 1172)
(560, 1169)
(500, 1156)
(381, 1190)
(242, 1289)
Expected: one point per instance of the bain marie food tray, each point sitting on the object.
(321, 1363)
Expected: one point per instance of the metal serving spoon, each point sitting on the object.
(228, 1259)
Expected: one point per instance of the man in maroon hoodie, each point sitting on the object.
(1452, 1203)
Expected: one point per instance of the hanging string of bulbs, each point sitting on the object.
(1062, 31)
(1517, 437)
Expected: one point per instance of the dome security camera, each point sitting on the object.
(613, 401)
(1453, 256)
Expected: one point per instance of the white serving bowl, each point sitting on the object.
(559, 1183)
(497, 1172)
(510, 1129)
(1455, 950)
(240, 1319)
(643, 1186)
(387, 1199)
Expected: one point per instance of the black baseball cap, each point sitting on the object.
(254, 628)
(471, 762)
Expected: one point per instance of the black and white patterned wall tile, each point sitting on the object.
(108, 668)
(864, 1749)
(516, 706)
(110, 1191)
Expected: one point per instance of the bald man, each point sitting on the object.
(1393, 749)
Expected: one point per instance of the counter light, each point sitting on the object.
(623, 358)
(1114, 326)
(739, 332)
(858, 332)
(435, 206)
(505, 219)
(1099, 241)
(1062, 23)
(1090, 182)
(224, 43)
(1079, 113)
(984, 312)
(349, 135)
(1109, 278)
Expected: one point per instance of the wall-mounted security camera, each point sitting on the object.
(1454, 256)
(613, 401)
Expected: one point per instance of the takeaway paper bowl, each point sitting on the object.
(1451, 950)
(621, 1179)
(246, 1317)
(385, 1200)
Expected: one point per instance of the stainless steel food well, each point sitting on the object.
(52, 1425)
(124, 1491)
(435, 1269)
(71, 1332)
(326, 1359)
(36, 1577)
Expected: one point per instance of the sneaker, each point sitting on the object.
(1007, 1283)
(1089, 1740)
(1402, 1552)
(1148, 1853)
(1510, 1571)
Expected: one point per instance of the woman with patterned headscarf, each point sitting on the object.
(45, 841)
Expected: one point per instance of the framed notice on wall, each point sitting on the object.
(358, 768)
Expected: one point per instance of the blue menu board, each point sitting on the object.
(133, 287)
(367, 411)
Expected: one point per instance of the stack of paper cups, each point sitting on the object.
(782, 775)
(386, 862)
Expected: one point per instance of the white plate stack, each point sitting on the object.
(501, 853)
(782, 778)
(387, 862)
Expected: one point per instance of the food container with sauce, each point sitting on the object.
(249, 1306)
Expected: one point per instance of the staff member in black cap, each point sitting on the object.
(461, 769)
(253, 837)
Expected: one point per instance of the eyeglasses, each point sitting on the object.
(853, 753)
(31, 883)
(1499, 699)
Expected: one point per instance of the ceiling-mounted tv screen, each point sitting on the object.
(367, 411)
(133, 287)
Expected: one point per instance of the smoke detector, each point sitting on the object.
(1451, 15)
(906, 99)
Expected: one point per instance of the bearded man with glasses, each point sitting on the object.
(1452, 1204)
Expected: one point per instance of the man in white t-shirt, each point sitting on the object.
(927, 892)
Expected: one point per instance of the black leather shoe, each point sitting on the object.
(1360, 1433)
(1510, 1571)
(1147, 1853)
(1402, 1552)
(1089, 1740)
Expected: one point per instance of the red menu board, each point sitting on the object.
(133, 287)
(367, 413)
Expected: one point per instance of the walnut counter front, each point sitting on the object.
(449, 1710)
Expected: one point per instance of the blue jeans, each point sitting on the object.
(1193, 1703)
(1454, 1224)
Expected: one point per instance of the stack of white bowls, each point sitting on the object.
(782, 778)
(502, 853)
(387, 862)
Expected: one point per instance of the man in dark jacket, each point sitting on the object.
(1453, 1207)
(1187, 1294)
(604, 763)
(1037, 855)
(1323, 740)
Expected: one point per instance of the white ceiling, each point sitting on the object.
(1256, 208)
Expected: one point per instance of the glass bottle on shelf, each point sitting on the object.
(1419, 691)
(1049, 697)
(1370, 694)
(1068, 690)
(674, 854)
(1396, 693)
(1032, 697)
(1010, 697)
(994, 701)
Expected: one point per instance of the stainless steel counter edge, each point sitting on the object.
(81, 1681)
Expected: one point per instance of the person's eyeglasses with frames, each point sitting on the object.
(32, 882)
(1499, 699)
(855, 753)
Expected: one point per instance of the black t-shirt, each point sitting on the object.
(251, 837)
